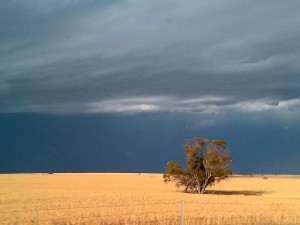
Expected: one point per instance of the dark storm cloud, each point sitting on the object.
(136, 56)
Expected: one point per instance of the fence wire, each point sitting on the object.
(162, 213)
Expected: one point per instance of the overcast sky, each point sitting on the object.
(203, 62)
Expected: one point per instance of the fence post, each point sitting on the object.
(182, 213)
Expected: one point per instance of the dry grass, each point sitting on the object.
(145, 199)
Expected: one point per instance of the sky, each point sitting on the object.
(119, 85)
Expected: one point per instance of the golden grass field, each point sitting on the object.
(145, 199)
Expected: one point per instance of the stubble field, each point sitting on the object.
(146, 199)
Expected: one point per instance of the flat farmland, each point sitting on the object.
(112, 198)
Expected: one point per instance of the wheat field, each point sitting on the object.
(113, 198)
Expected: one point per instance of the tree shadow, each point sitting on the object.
(245, 192)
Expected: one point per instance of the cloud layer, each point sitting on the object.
(149, 56)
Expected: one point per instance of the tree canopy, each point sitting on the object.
(207, 161)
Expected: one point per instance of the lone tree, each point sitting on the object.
(207, 162)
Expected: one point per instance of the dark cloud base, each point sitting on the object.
(64, 56)
(140, 143)
(141, 77)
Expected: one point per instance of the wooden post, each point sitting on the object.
(182, 213)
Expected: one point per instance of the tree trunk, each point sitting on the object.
(199, 187)
(206, 183)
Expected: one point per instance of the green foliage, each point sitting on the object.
(207, 162)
